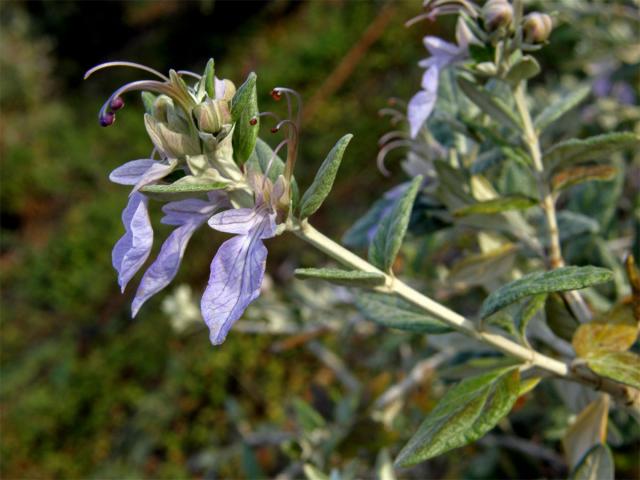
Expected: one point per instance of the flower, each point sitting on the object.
(443, 54)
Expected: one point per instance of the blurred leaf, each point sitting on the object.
(619, 366)
(147, 100)
(482, 268)
(353, 278)
(560, 279)
(489, 104)
(574, 175)
(572, 224)
(384, 466)
(557, 109)
(323, 181)
(393, 312)
(390, 234)
(597, 464)
(526, 312)
(615, 331)
(597, 147)
(497, 205)
(244, 107)
(528, 385)
(466, 412)
(634, 280)
(524, 69)
(250, 465)
(559, 317)
(312, 473)
(307, 416)
(589, 429)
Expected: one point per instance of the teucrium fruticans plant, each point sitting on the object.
(470, 119)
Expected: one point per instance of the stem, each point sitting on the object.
(456, 321)
(530, 138)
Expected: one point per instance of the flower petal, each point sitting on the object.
(131, 172)
(237, 220)
(133, 248)
(219, 86)
(165, 267)
(155, 172)
(423, 102)
(192, 209)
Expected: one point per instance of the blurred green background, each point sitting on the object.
(87, 392)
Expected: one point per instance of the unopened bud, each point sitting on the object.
(537, 27)
(107, 118)
(116, 104)
(496, 14)
(229, 90)
(161, 107)
(211, 115)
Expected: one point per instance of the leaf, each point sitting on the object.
(489, 104)
(208, 79)
(323, 181)
(484, 267)
(597, 464)
(524, 69)
(384, 467)
(558, 280)
(355, 278)
(571, 176)
(307, 416)
(528, 385)
(244, 108)
(588, 429)
(619, 366)
(526, 312)
(593, 148)
(312, 473)
(497, 205)
(184, 187)
(557, 109)
(393, 312)
(466, 412)
(390, 234)
(616, 331)
(559, 317)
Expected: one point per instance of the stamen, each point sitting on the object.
(276, 94)
(266, 114)
(107, 118)
(189, 73)
(396, 115)
(384, 151)
(394, 134)
(116, 104)
(395, 101)
(139, 66)
(287, 92)
(290, 124)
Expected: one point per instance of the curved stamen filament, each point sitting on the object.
(189, 73)
(384, 151)
(395, 134)
(269, 114)
(139, 66)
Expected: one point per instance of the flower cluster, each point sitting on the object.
(204, 169)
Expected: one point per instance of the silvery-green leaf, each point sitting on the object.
(497, 205)
(393, 312)
(358, 234)
(489, 104)
(570, 225)
(483, 268)
(323, 181)
(355, 278)
(148, 100)
(597, 464)
(390, 234)
(171, 143)
(559, 317)
(193, 185)
(557, 109)
(599, 147)
(524, 69)
(557, 280)
(244, 107)
(526, 312)
(467, 412)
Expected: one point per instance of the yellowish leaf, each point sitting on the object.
(589, 429)
(615, 331)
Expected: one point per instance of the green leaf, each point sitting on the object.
(587, 430)
(489, 104)
(208, 79)
(388, 238)
(244, 107)
(593, 148)
(524, 69)
(557, 109)
(526, 312)
(323, 182)
(619, 366)
(571, 176)
(467, 412)
(597, 464)
(312, 473)
(307, 416)
(354, 278)
(393, 312)
(184, 187)
(558, 280)
(484, 267)
(497, 205)
(147, 100)
(358, 235)
(559, 317)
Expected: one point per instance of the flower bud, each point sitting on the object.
(229, 90)
(161, 106)
(537, 27)
(496, 14)
(211, 115)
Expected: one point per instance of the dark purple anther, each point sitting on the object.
(107, 119)
(116, 104)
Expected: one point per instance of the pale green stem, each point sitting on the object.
(456, 321)
(530, 138)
